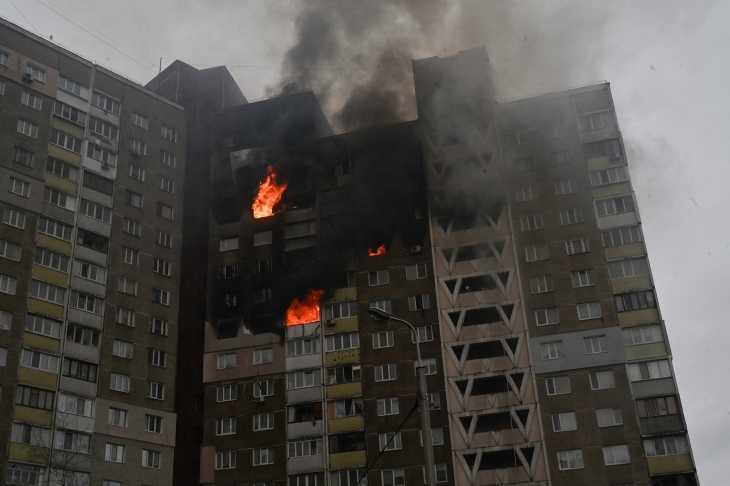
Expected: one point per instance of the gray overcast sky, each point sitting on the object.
(669, 70)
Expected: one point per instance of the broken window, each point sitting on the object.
(350, 442)
(347, 407)
(541, 284)
(346, 279)
(344, 374)
(419, 302)
(263, 265)
(604, 148)
(229, 271)
(305, 412)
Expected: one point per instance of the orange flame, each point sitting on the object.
(269, 195)
(379, 251)
(306, 311)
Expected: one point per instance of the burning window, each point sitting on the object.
(269, 195)
(306, 310)
(379, 277)
(380, 250)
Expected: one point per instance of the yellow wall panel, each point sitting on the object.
(61, 183)
(349, 293)
(348, 459)
(626, 284)
(633, 318)
(63, 154)
(37, 377)
(624, 251)
(49, 275)
(68, 127)
(342, 325)
(45, 308)
(52, 243)
(27, 453)
(340, 357)
(643, 351)
(345, 424)
(32, 415)
(41, 342)
(612, 190)
(346, 390)
(669, 464)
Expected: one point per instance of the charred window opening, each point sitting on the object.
(305, 412)
(478, 283)
(346, 279)
(604, 148)
(474, 252)
(229, 271)
(486, 315)
(227, 328)
(263, 265)
(351, 442)
(344, 374)
(499, 460)
(490, 385)
(227, 301)
(92, 240)
(494, 422)
(489, 349)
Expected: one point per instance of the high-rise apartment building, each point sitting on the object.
(185, 279)
(91, 190)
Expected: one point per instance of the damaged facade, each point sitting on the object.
(506, 233)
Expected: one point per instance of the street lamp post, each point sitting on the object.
(430, 468)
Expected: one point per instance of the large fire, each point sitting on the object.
(304, 311)
(269, 195)
(378, 251)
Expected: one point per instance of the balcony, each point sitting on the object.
(345, 460)
(335, 358)
(304, 429)
(669, 464)
(341, 325)
(626, 284)
(624, 251)
(297, 465)
(644, 351)
(310, 394)
(632, 318)
(345, 390)
(345, 424)
(661, 425)
(37, 341)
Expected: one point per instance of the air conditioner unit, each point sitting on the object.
(136, 152)
(27, 78)
(258, 399)
(416, 249)
(330, 322)
(614, 155)
(105, 165)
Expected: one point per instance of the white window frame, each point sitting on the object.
(383, 339)
(589, 310)
(541, 284)
(380, 372)
(552, 350)
(609, 417)
(547, 317)
(616, 454)
(564, 422)
(577, 246)
(226, 361)
(570, 460)
(554, 385)
(595, 344)
(526, 193)
(602, 380)
(388, 406)
(536, 253)
(532, 222)
(385, 437)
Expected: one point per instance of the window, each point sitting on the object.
(621, 236)
(153, 424)
(628, 268)
(58, 198)
(263, 388)
(8, 284)
(125, 317)
(383, 305)
(303, 379)
(139, 120)
(226, 361)
(73, 87)
(155, 390)
(608, 176)
(111, 483)
(649, 370)
(75, 405)
(43, 291)
(305, 228)
(132, 227)
(616, 205)
(23, 157)
(657, 407)
(164, 211)
(61, 169)
(552, 350)
(101, 154)
(347, 407)
(379, 277)
(102, 128)
(226, 393)
(635, 301)
(117, 416)
(161, 266)
(36, 73)
(25, 474)
(133, 199)
(4, 59)
(589, 310)
(541, 284)
(127, 286)
(568, 186)
(571, 216)
(69, 113)
(570, 460)
(263, 455)
(337, 342)
(388, 406)
(604, 148)
(393, 477)
(558, 385)
(31, 435)
(80, 370)
(83, 335)
(69, 441)
(523, 164)
(33, 101)
(413, 271)
(535, 253)
(263, 265)
(160, 296)
(119, 382)
(348, 477)
(14, 218)
(302, 347)
(228, 244)
(583, 278)
(31, 130)
(167, 158)
(306, 447)
(164, 239)
(554, 131)
(155, 357)
(259, 295)
(609, 417)
(437, 436)
(305, 412)
(595, 344)
(167, 185)
(340, 310)
(344, 374)
(597, 120)
(601, 380)
(564, 421)
(34, 397)
(262, 238)
(19, 187)
(158, 326)
(96, 211)
(429, 364)
(40, 325)
(136, 172)
(150, 459)
(263, 421)
(530, 223)
(168, 133)
(382, 339)
(263, 356)
(114, 453)
(576, 247)
(390, 441)
(3, 356)
(643, 335)
(666, 446)
(618, 454)
(65, 140)
(559, 159)
(105, 102)
(526, 193)
(229, 271)
(225, 460)
(424, 333)
(6, 319)
(386, 372)
(544, 317)
(52, 228)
